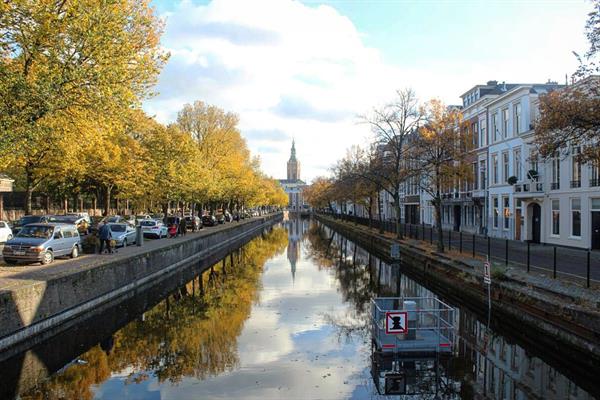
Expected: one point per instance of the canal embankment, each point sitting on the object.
(43, 298)
(559, 316)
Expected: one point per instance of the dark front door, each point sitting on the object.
(595, 229)
(536, 221)
(457, 216)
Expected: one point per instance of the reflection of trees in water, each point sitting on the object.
(354, 269)
(192, 332)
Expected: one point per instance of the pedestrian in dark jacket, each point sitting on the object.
(105, 235)
(182, 227)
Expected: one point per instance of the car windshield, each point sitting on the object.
(38, 232)
(67, 219)
(117, 228)
(112, 219)
(148, 223)
(29, 219)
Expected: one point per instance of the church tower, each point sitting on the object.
(293, 165)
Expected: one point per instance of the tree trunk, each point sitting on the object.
(438, 222)
(380, 212)
(165, 209)
(108, 189)
(370, 212)
(397, 207)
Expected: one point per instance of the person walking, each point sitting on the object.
(182, 226)
(105, 236)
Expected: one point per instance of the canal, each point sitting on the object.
(285, 316)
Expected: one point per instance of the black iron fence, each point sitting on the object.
(556, 261)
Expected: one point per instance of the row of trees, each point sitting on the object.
(73, 76)
(428, 145)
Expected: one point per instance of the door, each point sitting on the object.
(518, 224)
(595, 229)
(457, 216)
(536, 220)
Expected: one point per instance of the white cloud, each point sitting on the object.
(282, 66)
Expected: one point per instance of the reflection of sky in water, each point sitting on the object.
(286, 349)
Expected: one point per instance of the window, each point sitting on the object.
(2, 224)
(595, 174)
(505, 171)
(555, 173)
(556, 217)
(482, 134)
(517, 167)
(67, 234)
(533, 160)
(495, 126)
(506, 212)
(495, 212)
(517, 120)
(474, 176)
(575, 168)
(482, 174)
(505, 122)
(595, 204)
(495, 168)
(576, 217)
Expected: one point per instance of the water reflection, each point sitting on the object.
(287, 316)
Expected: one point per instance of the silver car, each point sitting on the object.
(42, 243)
(122, 234)
(154, 228)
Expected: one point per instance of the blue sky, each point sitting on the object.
(304, 70)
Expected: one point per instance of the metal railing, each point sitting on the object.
(557, 262)
(429, 325)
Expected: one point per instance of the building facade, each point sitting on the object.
(293, 185)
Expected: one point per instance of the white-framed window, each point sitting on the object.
(495, 202)
(533, 160)
(495, 168)
(475, 134)
(576, 217)
(555, 217)
(505, 117)
(596, 204)
(506, 211)
(517, 118)
(474, 176)
(495, 126)
(482, 182)
(555, 172)
(505, 171)
(575, 168)
(518, 165)
(482, 133)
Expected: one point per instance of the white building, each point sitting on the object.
(293, 185)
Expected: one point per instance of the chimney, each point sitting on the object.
(504, 86)
(492, 83)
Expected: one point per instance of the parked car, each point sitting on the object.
(42, 243)
(83, 215)
(236, 216)
(72, 219)
(189, 222)
(30, 219)
(220, 218)
(209, 220)
(154, 228)
(228, 216)
(122, 234)
(5, 232)
(141, 217)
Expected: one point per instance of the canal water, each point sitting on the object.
(285, 316)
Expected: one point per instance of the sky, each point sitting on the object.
(306, 70)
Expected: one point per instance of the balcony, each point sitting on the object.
(532, 187)
(575, 184)
(555, 186)
(594, 182)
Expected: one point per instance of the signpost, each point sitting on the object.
(396, 322)
(395, 251)
(487, 276)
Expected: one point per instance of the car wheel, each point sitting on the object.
(10, 262)
(124, 242)
(75, 252)
(47, 257)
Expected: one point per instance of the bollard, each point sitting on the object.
(506, 253)
(473, 244)
(460, 242)
(139, 236)
(588, 269)
(554, 267)
(528, 245)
